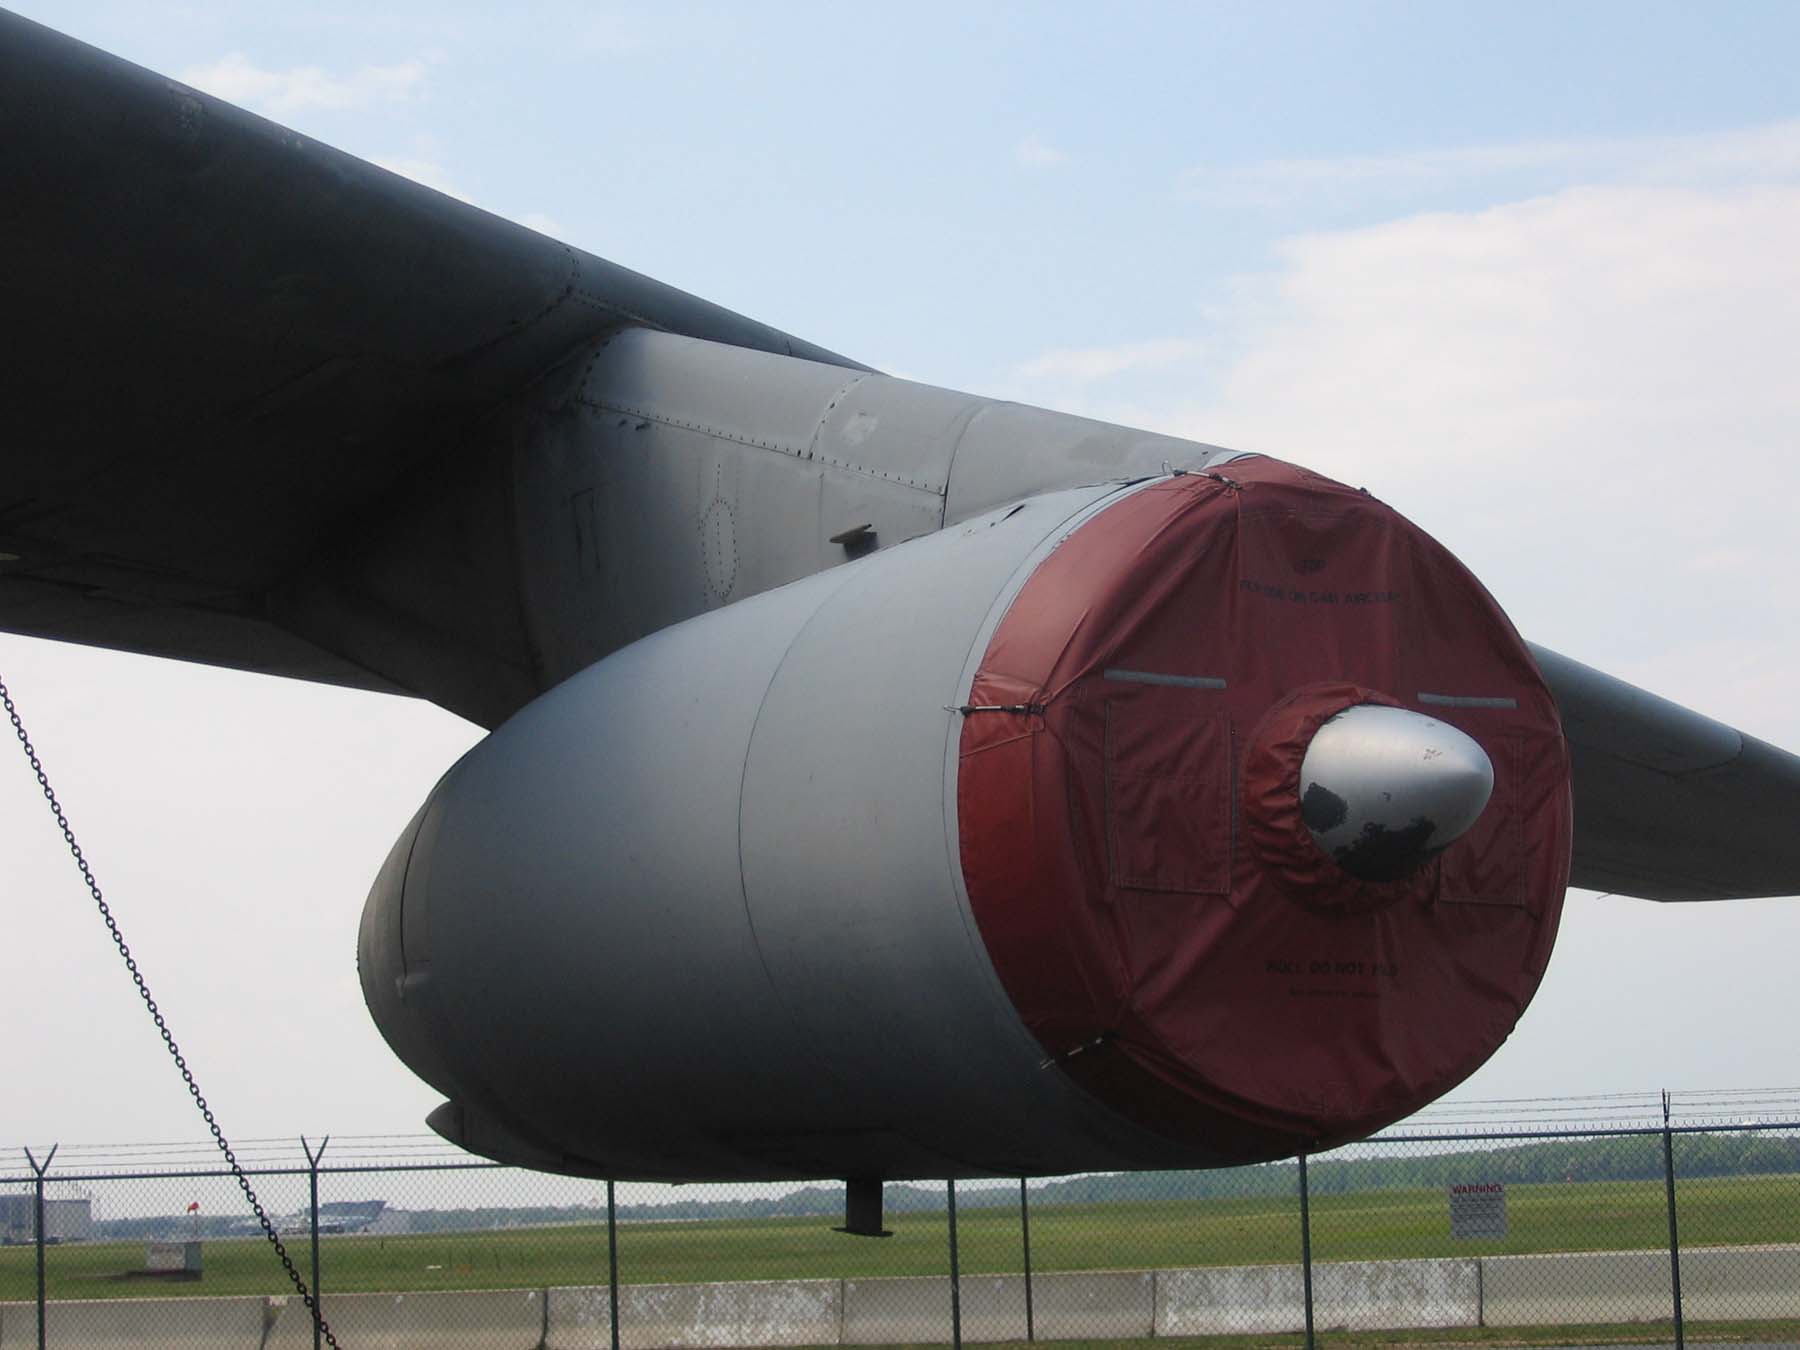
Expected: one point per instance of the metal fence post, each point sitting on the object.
(312, 1172)
(1674, 1242)
(1306, 1251)
(612, 1262)
(1025, 1229)
(38, 1228)
(955, 1277)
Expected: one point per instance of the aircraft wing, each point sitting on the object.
(234, 349)
(228, 343)
(1671, 805)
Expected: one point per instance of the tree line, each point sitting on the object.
(1383, 1168)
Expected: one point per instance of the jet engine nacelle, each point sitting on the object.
(989, 853)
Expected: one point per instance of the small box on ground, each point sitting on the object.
(174, 1259)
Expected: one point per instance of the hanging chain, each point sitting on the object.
(162, 1027)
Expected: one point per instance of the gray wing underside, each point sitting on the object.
(1671, 805)
(227, 344)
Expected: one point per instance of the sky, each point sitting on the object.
(1529, 272)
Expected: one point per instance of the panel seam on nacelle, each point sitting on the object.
(962, 433)
(844, 392)
(844, 576)
(738, 438)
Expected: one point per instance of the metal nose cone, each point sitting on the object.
(1384, 790)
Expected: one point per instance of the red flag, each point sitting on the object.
(194, 1208)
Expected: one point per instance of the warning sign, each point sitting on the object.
(1478, 1210)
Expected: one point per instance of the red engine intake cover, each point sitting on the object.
(1132, 846)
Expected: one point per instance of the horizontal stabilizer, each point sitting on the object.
(1671, 805)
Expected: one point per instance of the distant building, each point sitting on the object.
(64, 1220)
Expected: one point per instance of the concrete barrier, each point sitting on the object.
(1065, 1304)
(1093, 1305)
(744, 1313)
(1575, 1287)
(1347, 1295)
(903, 1309)
(497, 1318)
(1215, 1300)
(1393, 1295)
(1720, 1283)
(97, 1324)
(580, 1318)
(1564, 1288)
(993, 1307)
(896, 1311)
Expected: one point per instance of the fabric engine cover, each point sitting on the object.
(1131, 839)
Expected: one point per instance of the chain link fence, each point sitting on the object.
(1605, 1234)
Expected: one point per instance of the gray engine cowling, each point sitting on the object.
(989, 853)
(696, 911)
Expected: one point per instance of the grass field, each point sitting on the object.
(1364, 1226)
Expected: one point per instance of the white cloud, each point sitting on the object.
(1613, 343)
(282, 93)
(1084, 365)
(1761, 154)
(1035, 153)
(1588, 394)
(1584, 392)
